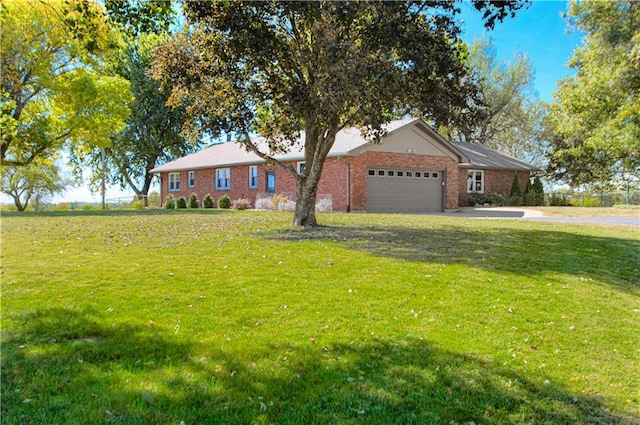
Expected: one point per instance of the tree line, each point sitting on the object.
(123, 86)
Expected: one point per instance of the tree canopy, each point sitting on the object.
(35, 181)
(53, 89)
(510, 116)
(152, 131)
(595, 115)
(281, 69)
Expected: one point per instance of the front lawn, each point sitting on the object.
(207, 317)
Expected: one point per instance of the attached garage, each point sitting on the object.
(405, 190)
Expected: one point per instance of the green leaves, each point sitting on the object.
(595, 115)
(53, 78)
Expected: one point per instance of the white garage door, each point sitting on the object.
(404, 190)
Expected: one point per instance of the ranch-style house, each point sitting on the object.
(412, 170)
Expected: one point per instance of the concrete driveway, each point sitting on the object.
(529, 214)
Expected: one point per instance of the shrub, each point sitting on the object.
(516, 193)
(529, 194)
(193, 201)
(557, 200)
(224, 202)
(241, 204)
(478, 199)
(207, 201)
(181, 203)
(538, 189)
(170, 203)
(138, 204)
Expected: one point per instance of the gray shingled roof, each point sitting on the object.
(232, 153)
(348, 142)
(483, 157)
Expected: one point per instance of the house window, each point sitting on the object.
(253, 176)
(174, 182)
(191, 181)
(475, 181)
(271, 182)
(223, 179)
(301, 166)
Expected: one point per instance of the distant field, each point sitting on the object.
(207, 317)
(618, 211)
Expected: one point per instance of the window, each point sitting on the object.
(390, 173)
(191, 181)
(301, 166)
(381, 173)
(434, 175)
(223, 179)
(475, 181)
(400, 174)
(271, 182)
(409, 173)
(174, 182)
(372, 172)
(418, 174)
(253, 176)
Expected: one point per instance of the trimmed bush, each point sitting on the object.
(207, 201)
(241, 204)
(193, 201)
(538, 189)
(224, 202)
(170, 203)
(529, 194)
(138, 204)
(516, 192)
(181, 203)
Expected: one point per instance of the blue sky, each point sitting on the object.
(538, 31)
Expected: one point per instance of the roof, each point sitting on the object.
(234, 153)
(484, 157)
(349, 141)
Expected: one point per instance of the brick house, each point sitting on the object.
(413, 169)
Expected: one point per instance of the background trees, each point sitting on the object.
(595, 115)
(35, 181)
(53, 87)
(510, 116)
(280, 68)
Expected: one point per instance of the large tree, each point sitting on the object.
(510, 117)
(53, 89)
(286, 69)
(595, 115)
(35, 181)
(152, 132)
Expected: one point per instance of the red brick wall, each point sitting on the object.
(495, 181)
(332, 181)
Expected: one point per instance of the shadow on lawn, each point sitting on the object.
(520, 251)
(116, 213)
(69, 367)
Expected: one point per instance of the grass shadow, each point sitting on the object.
(523, 251)
(70, 367)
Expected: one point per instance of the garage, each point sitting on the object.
(404, 190)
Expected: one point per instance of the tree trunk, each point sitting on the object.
(305, 213)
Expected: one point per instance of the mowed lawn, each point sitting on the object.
(207, 317)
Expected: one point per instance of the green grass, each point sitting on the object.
(206, 317)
